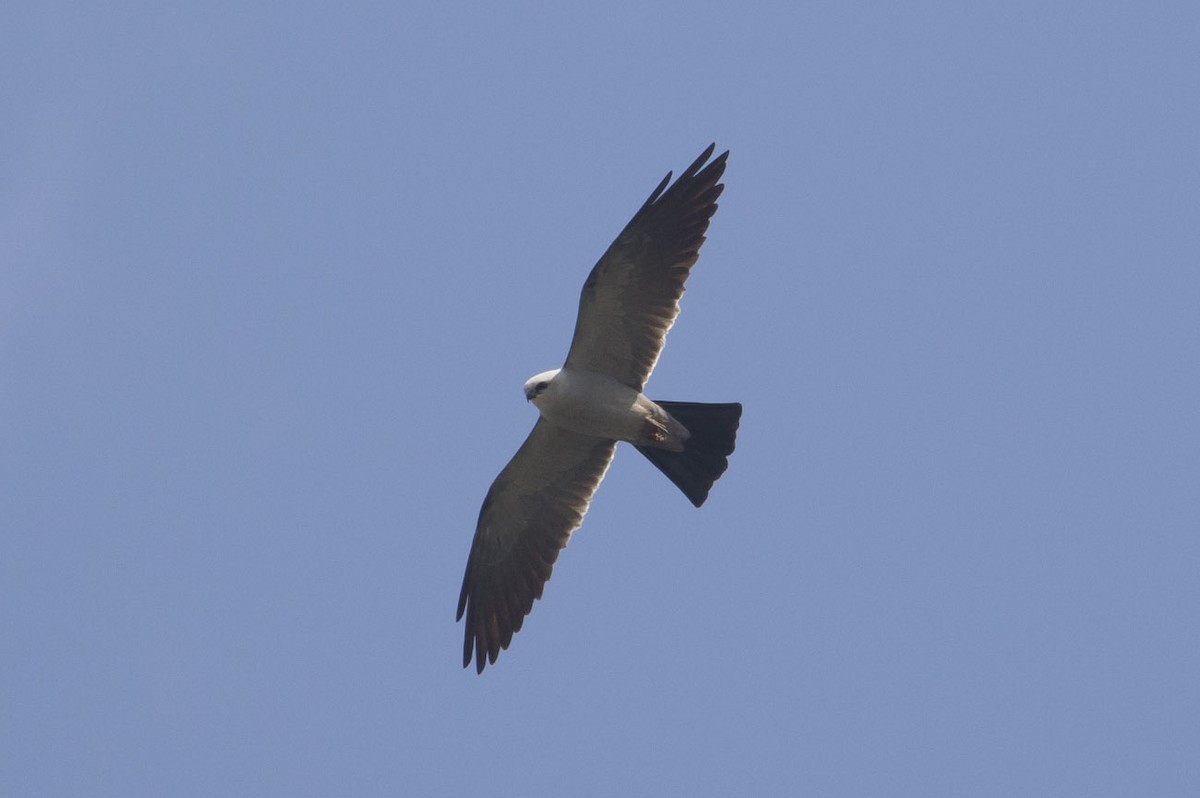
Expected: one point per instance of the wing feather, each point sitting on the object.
(631, 297)
(529, 513)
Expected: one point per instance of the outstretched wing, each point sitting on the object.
(527, 517)
(631, 297)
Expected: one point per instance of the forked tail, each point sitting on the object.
(704, 458)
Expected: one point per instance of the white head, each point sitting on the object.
(537, 385)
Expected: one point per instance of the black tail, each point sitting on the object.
(703, 459)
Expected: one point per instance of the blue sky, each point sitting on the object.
(272, 277)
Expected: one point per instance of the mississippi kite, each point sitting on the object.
(628, 303)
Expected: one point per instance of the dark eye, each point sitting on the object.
(541, 386)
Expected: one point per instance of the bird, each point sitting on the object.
(628, 303)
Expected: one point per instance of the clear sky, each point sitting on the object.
(272, 277)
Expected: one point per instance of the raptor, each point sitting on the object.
(628, 303)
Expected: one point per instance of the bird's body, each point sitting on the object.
(597, 405)
(628, 303)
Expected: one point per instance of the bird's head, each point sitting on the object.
(536, 385)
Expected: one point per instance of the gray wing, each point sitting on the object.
(527, 517)
(631, 298)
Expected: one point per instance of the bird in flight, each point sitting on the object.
(628, 303)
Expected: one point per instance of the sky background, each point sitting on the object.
(272, 277)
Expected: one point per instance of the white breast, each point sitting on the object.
(594, 404)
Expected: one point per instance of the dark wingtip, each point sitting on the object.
(704, 156)
(716, 169)
(717, 165)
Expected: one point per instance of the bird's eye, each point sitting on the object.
(541, 386)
